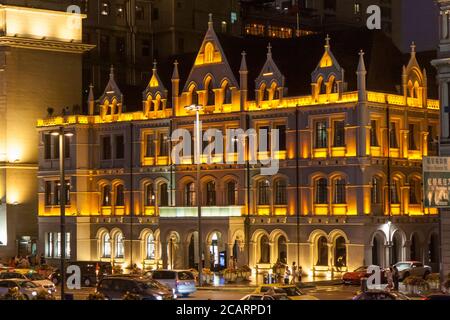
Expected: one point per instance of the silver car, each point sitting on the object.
(26, 287)
(181, 281)
(412, 268)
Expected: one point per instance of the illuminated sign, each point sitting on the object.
(436, 182)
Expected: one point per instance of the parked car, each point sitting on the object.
(181, 281)
(265, 297)
(354, 277)
(91, 272)
(31, 276)
(291, 291)
(115, 288)
(380, 295)
(412, 268)
(26, 287)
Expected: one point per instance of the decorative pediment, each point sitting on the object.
(270, 73)
(155, 86)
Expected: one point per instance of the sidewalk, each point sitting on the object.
(307, 282)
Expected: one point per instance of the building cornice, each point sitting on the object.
(45, 44)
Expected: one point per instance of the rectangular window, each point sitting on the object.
(105, 7)
(55, 142)
(48, 193)
(149, 146)
(282, 137)
(49, 244)
(120, 48)
(145, 48)
(67, 192)
(56, 243)
(373, 134)
(66, 147)
(140, 12)
(264, 138)
(106, 148)
(56, 193)
(321, 134)
(339, 134)
(155, 14)
(47, 146)
(120, 11)
(393, 143)
(163, 195)
(104, 44)
(412, 137)
(163, 145)
(120, 147)
(357, 8)
(430, 140)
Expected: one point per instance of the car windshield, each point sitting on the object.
(36, 277)
(10, 275)
(402, 266)
(290, 291)
(185, 275)
(163, 275)
(26, 284)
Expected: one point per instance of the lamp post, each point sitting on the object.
(197, 109)
(62, 202)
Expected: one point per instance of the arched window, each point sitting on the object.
(226, 94)
(332, 84)
(149, 195)
(415, 248)
(263, 192)
(340, 252)
(118, 241)
(322, 251)
(231, 189)
(264, 93)
(194, 95)
(106, 245)
(339, 194)
(210, 95)
(106, 196)
(395, 191)
(282, 249)
(163, 195)
(189, 194)
(396, 248)
(280, 192)
(120, 198)
(264, 250)
(375, 191)
(210, 193)
(209, 52)
(321, 86)
(275, 92)
(415, 191)
(150, 246)
(321, 193)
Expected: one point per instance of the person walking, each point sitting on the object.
(294, 273)
(390, 278)
(287, 274)
(395, 278)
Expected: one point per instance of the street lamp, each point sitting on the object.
(62, 202)
(197, 110)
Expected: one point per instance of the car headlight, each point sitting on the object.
(34, 293)
(159, 297)
(175, 296)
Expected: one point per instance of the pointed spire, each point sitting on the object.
(243, 67)
(361, 64)
(91, 93)
(413, 48)
(269, 50)
(154, 66)
(111, 72)
(175, 74)
(210, 21)
(327, 41)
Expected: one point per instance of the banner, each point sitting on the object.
(436, 182)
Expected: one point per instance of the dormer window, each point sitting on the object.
(209, 52)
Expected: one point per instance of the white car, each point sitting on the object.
(253, 296)
(181, 281)
(26, 287)
(412, 268)
(34, 277)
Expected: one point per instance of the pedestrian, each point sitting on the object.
(42, 260)
(294, 273)
(287, 274)
(395, 278)
(12, 262)
(300, 273)
(389, 273)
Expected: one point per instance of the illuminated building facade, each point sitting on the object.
(329, 201)
(40, 58)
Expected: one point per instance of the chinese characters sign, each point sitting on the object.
(436, 182)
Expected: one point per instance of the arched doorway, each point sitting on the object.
(264, 249)
(217, 252)
(340, 253)
(378, 250)
(172, 250)
(322, 251)
(415, 248)
(193, 250)
(397, 245)
(282, 249)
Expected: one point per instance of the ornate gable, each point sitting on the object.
(111, 100)
(154, 96)
(414, 81)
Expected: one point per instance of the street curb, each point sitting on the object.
(304, 285)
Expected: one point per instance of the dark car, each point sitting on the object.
(380, 295)
(116, 287)
(442, 297)
(91, 272)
